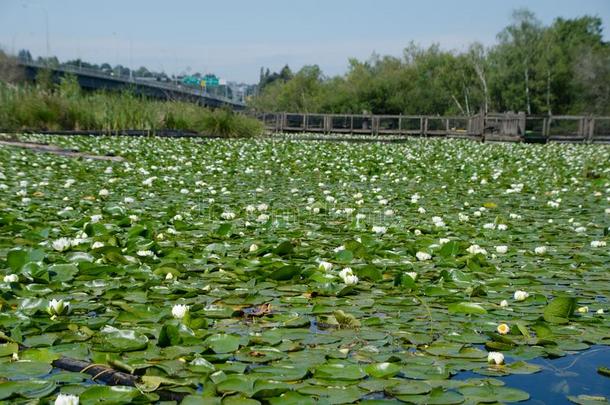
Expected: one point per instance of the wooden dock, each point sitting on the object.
(508, 127)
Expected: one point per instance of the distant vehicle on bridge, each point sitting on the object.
(207, 81)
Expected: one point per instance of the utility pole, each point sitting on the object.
(46, 23)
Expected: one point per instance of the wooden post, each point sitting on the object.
(375, 126)
(351, 126)
(425, 129)
(304, 125)
(400, 124)
(591, 129)
(522, 124)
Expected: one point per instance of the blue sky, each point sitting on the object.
(234, 38)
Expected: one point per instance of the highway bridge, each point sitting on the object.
(98, 80)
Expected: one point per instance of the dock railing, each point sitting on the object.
(515, 127)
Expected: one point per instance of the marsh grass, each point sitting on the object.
(66, 107)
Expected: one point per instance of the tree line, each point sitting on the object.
(562, 68)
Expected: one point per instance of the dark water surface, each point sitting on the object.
(575, 374)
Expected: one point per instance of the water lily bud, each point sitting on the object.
(66, 399)
(501, 249)
(503, 329)
(504, 303)
(58, 307)
(520, 295)
(11, 278)
(325, 266)
(179, 311)
(496, 358)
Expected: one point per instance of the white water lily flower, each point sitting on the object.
(66, 399)
(128, 200)
(262, 207)
(149, 181)
(58, 307)
(145, 253)
(61, 244)
(227, 215)
(253, 247)
(496, 358)
(133, 218)
(599, 311)
(97, 245)
(490, 225)
(421, 210)
(503, 329)
(380, 230)
(349, 278)
(463, 217)
(262, 218)
(169, 276)
(501, 249)
(179, 311)
(360, 216)
(583, 310)
(476, 249)
(598, 243)
(325, 266)
(96, 218)
(520, 295)
(250, 208)
(540, 250)
(104, 193)
(442, 241)
(422, 256)
(504, 303)
(11, 278)
(502, 227)
(417, 232)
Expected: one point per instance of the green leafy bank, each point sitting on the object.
(66, 107)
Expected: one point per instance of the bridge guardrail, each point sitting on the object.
(130, 79)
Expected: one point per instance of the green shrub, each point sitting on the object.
(66, 107)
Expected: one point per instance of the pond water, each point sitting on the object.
(574, 374)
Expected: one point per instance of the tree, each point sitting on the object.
(513, 60)
(24, 55)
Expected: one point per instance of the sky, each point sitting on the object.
(235, 38)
